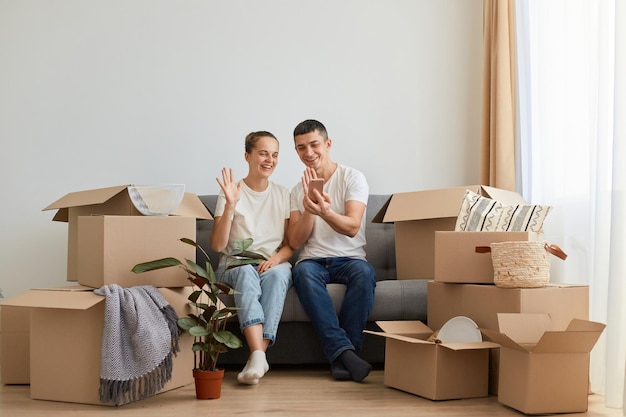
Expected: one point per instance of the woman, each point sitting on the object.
(256, 208)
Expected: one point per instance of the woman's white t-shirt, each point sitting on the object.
(258, 215)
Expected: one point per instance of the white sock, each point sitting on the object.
(255, 368)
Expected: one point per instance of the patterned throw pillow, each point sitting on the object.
(480, 213)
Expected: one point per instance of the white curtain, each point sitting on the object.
(572, 154)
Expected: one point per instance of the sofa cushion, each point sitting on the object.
(394, 300)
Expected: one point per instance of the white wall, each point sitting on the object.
(100, 93)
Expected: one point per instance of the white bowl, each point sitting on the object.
(156, 200)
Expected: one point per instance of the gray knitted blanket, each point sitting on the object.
(139, 338)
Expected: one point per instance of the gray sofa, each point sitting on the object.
(296, 341)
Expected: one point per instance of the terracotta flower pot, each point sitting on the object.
(208, 384)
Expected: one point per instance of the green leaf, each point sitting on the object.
(212, 294)
(157, 264)
(200, 347)
(186, 323)
(253, 255)
(240, 262)
(227, 338)
(188, 241)
(239, 246)
(198, 331)
(201, 306)
(194, 244)
(225, 311)
(197, 269)
(212, 278)
(245, 257)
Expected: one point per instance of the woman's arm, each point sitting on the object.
(222, 224)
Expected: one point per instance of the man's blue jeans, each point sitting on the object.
(345, 332)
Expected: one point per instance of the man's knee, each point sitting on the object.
(302, 271)
(364, 273)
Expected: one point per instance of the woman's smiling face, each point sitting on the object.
(263, 158)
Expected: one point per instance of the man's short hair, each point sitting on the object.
(309, 126)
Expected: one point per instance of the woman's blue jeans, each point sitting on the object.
(345, 332)
(261, 296)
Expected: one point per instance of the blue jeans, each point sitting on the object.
(261, 296)
(345, 332)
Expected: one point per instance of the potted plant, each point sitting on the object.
(207, 324)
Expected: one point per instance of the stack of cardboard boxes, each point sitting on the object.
(51, 338)
(540, 371)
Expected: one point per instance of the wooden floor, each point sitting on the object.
(296, 392)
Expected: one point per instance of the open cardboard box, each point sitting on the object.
(110, 246)
(417, 363)
(109, 201)
(456, 258)
(416, 217)
(543, 370)
(65, 328)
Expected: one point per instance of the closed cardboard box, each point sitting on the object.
(15, 344)
(418, 215)
(430, 369)
(456, 258)
(110, 246)
(482, 303)
(542, 370)
(66, 340)
(108, 201)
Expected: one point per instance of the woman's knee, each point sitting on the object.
(279, 275)
(243, 278)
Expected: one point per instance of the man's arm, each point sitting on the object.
(347, 224)
(300, 228)
(302, 223)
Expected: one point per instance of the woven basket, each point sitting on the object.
(522, 264)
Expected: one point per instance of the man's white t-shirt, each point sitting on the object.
(344, 185)
(258, 215)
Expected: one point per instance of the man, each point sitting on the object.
(330, 229)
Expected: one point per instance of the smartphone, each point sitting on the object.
(315, 184)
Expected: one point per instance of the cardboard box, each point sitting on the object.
(482, 303)
(438, 371)
(416, 217)
(456, 259)
(15, 345)
(108, 201)
(542, 370)
(66, 337)
(110, 246)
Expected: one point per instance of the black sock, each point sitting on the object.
(358, 368)
(339, 371)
